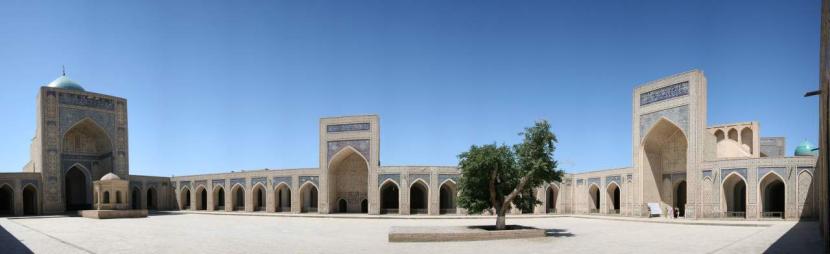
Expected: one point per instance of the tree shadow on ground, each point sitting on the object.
(804, 237)
(10, 244)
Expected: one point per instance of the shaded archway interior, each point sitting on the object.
(347, 181)
(734, 196)
(664, 152)
(447, 196)
(772, 189)
(308, 198)
(389, 197)
(87, 142)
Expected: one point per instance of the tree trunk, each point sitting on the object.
(500, 220)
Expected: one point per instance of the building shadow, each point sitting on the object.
(804, 237)
(10, 244)
(555, 232)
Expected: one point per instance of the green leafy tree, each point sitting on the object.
(497, 177)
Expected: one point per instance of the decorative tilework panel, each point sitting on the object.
(664, 93)
(70, 116)
(152, 185)
(811, 169)
(202, 183)
(726, 171)
(25, 182)
(361, 145)
(262, 180)
(219, 182)
(781, 171)
(628, 178)
(86, 101)
(183, 184)
(678, 115)
(616, 179)
(136, 184)
(444, 177)
(348, 127)
(707, 173)
(313, 179)
(394, 177)
(580, 182)
(282, 179)
(594, 180)
(240, 181)
(424, 177)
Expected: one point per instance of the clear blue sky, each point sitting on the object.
(226, 85)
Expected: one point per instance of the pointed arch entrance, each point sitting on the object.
(679, 200)
(613, 200)
(308, 198)
(258, 197)
(418, 198)
(30, 205)
(283, 196)
(593, 199)
(773, 197)
(734, 196)
(135, 198)
(77, 190)
(448, 194)
(389, 197)
(238, 198)
(185, 199)
(218, 198)
(348, 176)
(6, 200)
(550, 199)
(152, 198)
(201, 198)
(663, 151)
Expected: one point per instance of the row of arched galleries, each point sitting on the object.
(235, 198)
(771, 193)
(612, 195)
(8, 200)
(740, 135)
(146, 199)
(390, 196)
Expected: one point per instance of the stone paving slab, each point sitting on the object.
(460, 233)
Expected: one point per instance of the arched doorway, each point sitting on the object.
(734, 196)
(6, 201)
(593, 198)
(76, 189)
(389, 195)
(663, 151)
(259, 197)
(308, 198)
(613, 201)
(238, 198)
(418, 198)
(680, 198)
(342, 206)
(135, 199)
(348, 175)
(218, 198)
(447, 196)
(364, 206)
(201, 200)
(550, 202)
(185, 199)
(85, 139)
(152, 203)
(283, 196)
(773, 196)
(30, 200)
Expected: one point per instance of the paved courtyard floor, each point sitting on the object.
(199, 233)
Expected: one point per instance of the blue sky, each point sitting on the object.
(228, 85)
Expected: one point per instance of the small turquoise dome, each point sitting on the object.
(805, 149)
(65, 83)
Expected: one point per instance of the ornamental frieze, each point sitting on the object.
(664, 93)
(86, 101)
(347, 127)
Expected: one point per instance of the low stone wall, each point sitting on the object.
(461, 233)
(113, 214)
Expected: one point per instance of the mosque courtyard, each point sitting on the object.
(202, 233)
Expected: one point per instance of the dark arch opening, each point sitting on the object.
(202, 204)
(389, 195)
(283, 197)
(735, 196)
(418, 195)
(29, 200)
(238, 199)
(680, 198)
(614, 195)
(185, 199)
(151, 199)
(6, 201)
(219, 199)
(259, 198)
(342, 206)
(447, 204)
(76, 190)
(550, 206)
(774, 198)
(364, 206)
(308, 198)
(135, 199)
(594, 193)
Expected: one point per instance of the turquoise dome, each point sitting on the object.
(65, 83)
(805, 149)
